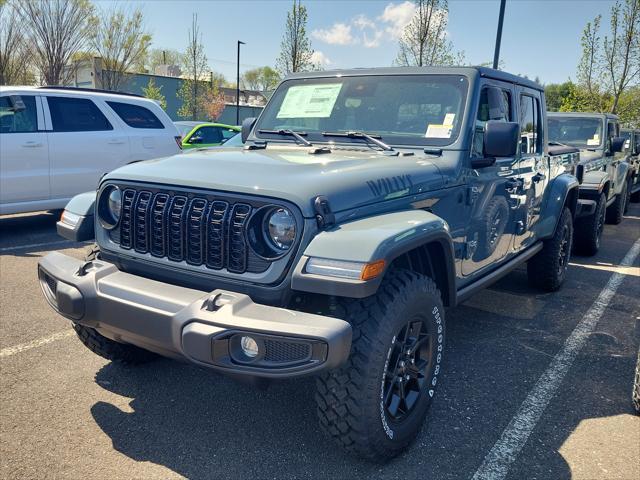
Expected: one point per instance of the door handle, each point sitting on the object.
(115, 142)
(31, 144)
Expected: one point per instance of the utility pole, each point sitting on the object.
(496, 54)
(238, 85)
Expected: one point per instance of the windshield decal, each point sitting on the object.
(309, 101)
(439, 131)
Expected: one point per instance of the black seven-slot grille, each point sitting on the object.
(199, 230)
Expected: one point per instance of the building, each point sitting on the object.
(88, 73)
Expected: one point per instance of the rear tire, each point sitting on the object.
(375, 404)
(616, 209)
(588, 231)
(548, 268)
(105, 347)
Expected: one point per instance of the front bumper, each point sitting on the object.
(204, 328)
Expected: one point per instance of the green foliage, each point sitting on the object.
(194, 88)
(119, 37)
(295, 48)
(262, 78)
(162, 56)
(555, 93)
(154, 92)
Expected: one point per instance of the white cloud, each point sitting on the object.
(319, 58)
(338, 34)
(369, 32)
(397, 16)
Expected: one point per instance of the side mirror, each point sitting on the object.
(617, 144)
(247, 126)
(501, 139)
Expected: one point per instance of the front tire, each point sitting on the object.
(548, 268)
(616, 209)
(588, 231)
(376, 403)
(105, 347)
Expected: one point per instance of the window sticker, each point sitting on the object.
(309, 101)
(439, 131)
(595, 140)
(449, 118)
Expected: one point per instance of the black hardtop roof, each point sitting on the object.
(467, 71)
(584, 114)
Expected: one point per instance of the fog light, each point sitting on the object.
(249, 347)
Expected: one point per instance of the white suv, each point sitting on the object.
(56, 142)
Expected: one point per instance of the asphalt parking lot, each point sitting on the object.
(65, 412)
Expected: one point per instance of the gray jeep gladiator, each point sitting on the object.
(605, 179)
(362, 204)
(632, 146)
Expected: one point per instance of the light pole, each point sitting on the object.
(496, 53)
(238, 85)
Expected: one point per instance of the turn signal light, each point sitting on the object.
(372, 270)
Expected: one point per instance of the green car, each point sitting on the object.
(203, 134)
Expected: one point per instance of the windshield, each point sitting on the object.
(183, 129)
(578, 132)
(400, 109)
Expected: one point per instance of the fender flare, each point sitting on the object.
(560, 192)
(81, 207)
(381, 237)
(593, 184)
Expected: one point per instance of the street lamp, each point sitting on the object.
(238, 85)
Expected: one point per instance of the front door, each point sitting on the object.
(24, 153)
(533, 168)
(491, 226)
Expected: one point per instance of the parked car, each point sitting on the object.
(56, 142)
(363, 204)
(603, 191)
(203, 134)
(632, 145)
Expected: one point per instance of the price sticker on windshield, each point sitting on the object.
(439, 131)
(309, 101)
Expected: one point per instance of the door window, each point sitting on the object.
(136, 116)
(206, 135)
(484, 115)
(227, 133)
(18, 114)
(530, 138)
(76, 115)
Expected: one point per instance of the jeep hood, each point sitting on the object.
(348, 178)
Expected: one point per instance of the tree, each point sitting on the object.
(295, 48)
(263, 78)
(590, 50)
(423, 41)
(555, 93)
(154, 92)
(159, 56)
(55, 30)
(622, 49)
(213, 103)
(119, 38)
(13, 67)
(195, 67)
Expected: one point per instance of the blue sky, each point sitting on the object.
(540, 38)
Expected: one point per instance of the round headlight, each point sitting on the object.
(281, 228)
(110, 207)
(115, 203)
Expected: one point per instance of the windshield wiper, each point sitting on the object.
(364, 136)
(297, 135)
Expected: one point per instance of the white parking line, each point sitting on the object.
(8, 351)
(35, 245)
(497, 462)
